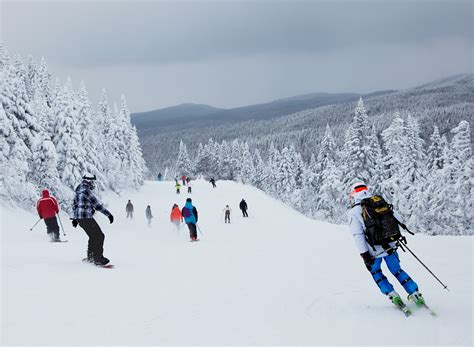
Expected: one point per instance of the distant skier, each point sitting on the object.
(190, 215)
(176, 217)
(159, 176)
(373, 254)
(190, 185)
(148, 215)
(188, 179)
(129, 209)
(84, 206)
(47, 207)
(176, 179)
(243, 206)
(183, 179)
(213, 182)
(178, 187)
(227, 211)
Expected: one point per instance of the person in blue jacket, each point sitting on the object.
(190, 216)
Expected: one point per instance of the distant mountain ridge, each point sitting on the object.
(280, 107)
(444, 102)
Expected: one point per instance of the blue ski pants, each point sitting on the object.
(393, 264)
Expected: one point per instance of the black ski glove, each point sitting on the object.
(111, 219)
(368, 260)
(74, 223)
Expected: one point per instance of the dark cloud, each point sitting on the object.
(244, 36)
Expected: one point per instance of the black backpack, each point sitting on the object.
(381, 226)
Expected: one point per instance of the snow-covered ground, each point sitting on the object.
(274, 278)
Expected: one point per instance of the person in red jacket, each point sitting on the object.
(47, 208)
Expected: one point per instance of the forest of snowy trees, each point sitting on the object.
(50, 136)
(430, 184)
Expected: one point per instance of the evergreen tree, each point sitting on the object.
(67, 139)
(183, 163)
(462, 175)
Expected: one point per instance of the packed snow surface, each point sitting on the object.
(276, 277)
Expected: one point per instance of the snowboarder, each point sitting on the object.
(159, 176)
(47, 207)
(373, 255)
(190, 215)
(148, 215)
(129, 209)
(189, 187)
(243, 206)
(176, 217)
(183, 179)
(84, 206)
(178, 187)
(227, 211)
(213, 182)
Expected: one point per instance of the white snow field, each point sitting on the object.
(274, 278)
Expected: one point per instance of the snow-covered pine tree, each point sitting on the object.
(225, 162)
(90, 138)
(247, 169)
(394, 142)
(435, 151)
(183, 163)
(261, 171)
(412, 174)
(462, 177)
(14, 156)
(67, 138)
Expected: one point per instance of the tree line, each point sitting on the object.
(429, 182)
(51, 136)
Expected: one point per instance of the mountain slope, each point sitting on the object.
(195, 114)
(274, 278)
(444, 103)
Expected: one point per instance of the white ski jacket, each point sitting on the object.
(357, 227)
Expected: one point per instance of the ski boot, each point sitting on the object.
(101, 261)
(417, 298)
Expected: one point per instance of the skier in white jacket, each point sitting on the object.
(373, 258)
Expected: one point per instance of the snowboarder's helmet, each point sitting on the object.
(90, 179)
(357, 187)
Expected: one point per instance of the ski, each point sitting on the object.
(106, 266)
(194, 240)
(60, 241)
(430, 311)
(402, 307)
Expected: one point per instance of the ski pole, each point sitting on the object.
(199, 229)
(409, 250)
(61, 223)
(31, 229)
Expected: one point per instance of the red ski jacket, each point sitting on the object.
(47, 206)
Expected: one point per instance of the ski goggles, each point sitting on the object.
(357, 190)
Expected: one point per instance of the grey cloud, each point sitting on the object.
(106, 33)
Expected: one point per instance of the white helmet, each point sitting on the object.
(357, 187)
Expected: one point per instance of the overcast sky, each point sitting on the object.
(234, 53)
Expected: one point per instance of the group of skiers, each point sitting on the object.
(372, 223)
(186, 182)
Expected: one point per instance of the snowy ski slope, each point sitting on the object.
(274, 278)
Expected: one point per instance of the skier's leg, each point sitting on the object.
(96, 238)
(52, 228)
(194, 231)
(384, 285)
(393, 264)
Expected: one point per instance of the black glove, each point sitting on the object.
(368, 260)
(74, 223)
(111, 219)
